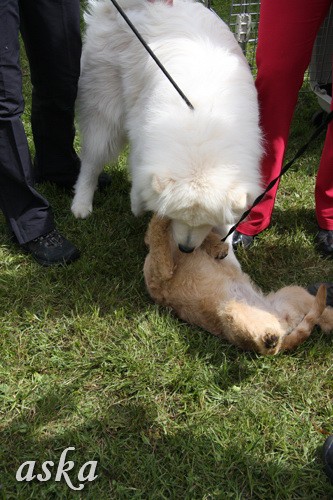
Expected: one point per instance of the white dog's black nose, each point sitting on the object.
(185, 249)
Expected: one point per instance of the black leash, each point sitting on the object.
(299, 153)
(151, 53)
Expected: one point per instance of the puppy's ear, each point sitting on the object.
(159, 184)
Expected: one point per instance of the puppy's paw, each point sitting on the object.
(221, 251)
(215, 247)
(271, 343)
(81, 210)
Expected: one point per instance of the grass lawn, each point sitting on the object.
(167, 410)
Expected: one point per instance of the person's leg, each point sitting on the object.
(324, 182)
(287, 31)
(328, 457)
(51, 33)
(324, 196)
(27, 212)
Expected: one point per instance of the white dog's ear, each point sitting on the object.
(159, 184)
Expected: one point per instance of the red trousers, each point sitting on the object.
(287, 31)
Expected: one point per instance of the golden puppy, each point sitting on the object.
(213, 293)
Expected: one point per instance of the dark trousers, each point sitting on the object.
(51, 33)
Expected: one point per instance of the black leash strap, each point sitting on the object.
(151, 53)
(299, 153)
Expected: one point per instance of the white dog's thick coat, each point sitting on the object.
(199, 168)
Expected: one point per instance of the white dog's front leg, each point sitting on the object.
(231, 257)
(137, 204)
(84, 190)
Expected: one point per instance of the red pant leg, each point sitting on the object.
(287, 30)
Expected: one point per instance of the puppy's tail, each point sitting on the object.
(303, 330)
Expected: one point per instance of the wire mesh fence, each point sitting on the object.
(243, 21)
(320, 69)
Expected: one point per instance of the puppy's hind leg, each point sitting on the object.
(326, 320)
(303, 330)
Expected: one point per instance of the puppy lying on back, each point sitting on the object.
(212, 292)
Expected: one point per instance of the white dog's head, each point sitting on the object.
(199, 170)
(196, 205)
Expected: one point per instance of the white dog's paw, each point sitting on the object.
(81, 209)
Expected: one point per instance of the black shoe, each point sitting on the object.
(324, 242)
(104, 180)
(240, 239)
(51, 249)
(313, 289)
(328, 457)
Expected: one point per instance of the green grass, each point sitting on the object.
(167, 410)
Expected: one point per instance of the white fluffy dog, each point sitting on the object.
(200, 167)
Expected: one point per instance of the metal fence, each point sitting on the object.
(320, 69)
(243, 21)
